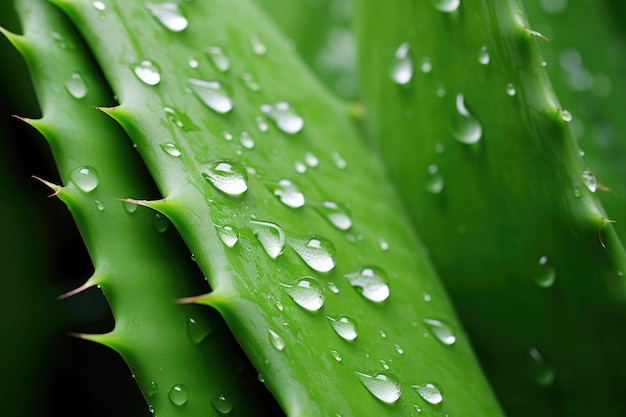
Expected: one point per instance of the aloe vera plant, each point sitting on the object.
(309, 256)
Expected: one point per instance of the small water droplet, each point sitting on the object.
(198, 329)
(316, 251)
(250, 82)
(371, 282)
(447, 6)
(98, 5)
(336, 355)
(340, 163)
(223, 404)
(288, 193)
(169, 15)
(153, 389)
(306, 292)
(218, 58)
(434, 181)
(465, 127)
(383, 244)
(261, 124)
(171, 149)
(382, 386)
(300, 167)
(510, 90)
(540, 371)
(76, 86)
(99, 205)
(427, 297)
(336, 215)
(160, 223)
(130, 207)
(566, 116)
(228, 176)
(193, 62)
(402, 67)
(246, 140)
(279, 306)
(284, 117)
(178, 394)
(384, 364)
(311, 160)
(483, 55)
(430, 392)
(344, 326)
(333, 287)
(426, 65)
(271, 237)
(258, 47)
(577, 193)
(85, 178)
(276, 341)
(212, 95)
(547, 274)
(61, 42)
(590, 180)
(147, 72)
(399, 349)
(179, 119)
(440, 330)
(383, 334)
(229, 235)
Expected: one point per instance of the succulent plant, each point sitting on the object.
(259, 241)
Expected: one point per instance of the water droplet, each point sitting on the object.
(223, 404)
(344, 326)
(427, 297)
(275, 340)
(311, 160)
(384, 364)
(271, 237)
(547, 274)
(171, 149)
(227, 135)
(284, 117)
(98, 5)
(246, 140)
(212, 95)
(229, 235)
(434, 181)
(179, 119)
(510, 90)
(218, 58)
(258, 47)
(440, 330)
(288, 193)
(198, 329)
(429, 392)
(76, 86)
(316, 251)
(590, 180)
(193, 62)
(382, 386)
(99, 205)
(402, 67)
(85, 178)
(147, 72)
(261, 124)
(130, 207)
(541, 373)
(466, 128)
(250, 82)
(483, 55)
(169, 15)
(577, 193)
(228, 176)
(61, 42)
(335, 214)
(399, 349)
(383, 245)
(306, 292)
(279, 306)
(153, 389)
(371, 281)
(447, 6)
(427, 65)
(300, 167)
(160, 222)
(566, 116)
(340, 163)
(336, 355)
(333, 287)
(178, 394)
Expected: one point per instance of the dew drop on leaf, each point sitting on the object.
(229, 235)
(336, 355)
(510, 90)
(160, 223)
(198, 329)
(179, 119)
(246, 140)
(381, 385)
(99, 5)
(284, 117)
(212, 95)
(311, 160)
(566, 116)
(590, 180)
(171, 149)
(340, 163)
(76, 86)
(430, 392)
(270, 235)
(402, 66)
(178, 394)
(336, 215)
(307, 292)
(250, 82)
(547, 275)
(483, 55)
(85, 178)
(371, 282)
(434, 180)
(540, 371)
(317, 252)
(147, 72)
(219, 60)
(288, 193)
(465, 128)
(153, 389)
(447, 6)
(99, 205)
(169, 15)
(332, 287)
(258, 47)
(427, 65)
(344, 326)
(276, 341)
(130, 207)
(223, 404)
(228, 176)
(440, 330)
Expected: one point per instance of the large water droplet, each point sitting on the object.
(447, 6)
(171, 149)
(306, 292)
(169, 15)
(276, 341)
(540, 371)
(382, 386)
(429, 392)
(85, 178)
(218, 58)
(344, 326)
(336, 215)
(178, 394)
(402, 67)
(76, 86)
(271, 237)
(223, 404)
(212, 95)
(434, 181)
(258, 47)
(547, 275)
(229, 235)
(284, 117)
(371, 282)
(465, 127)
(288, 193)
(440, 330)
(228, 176)
(590, 180)
(198, 329)
(147, 72)
(316, 251)
(483, 55)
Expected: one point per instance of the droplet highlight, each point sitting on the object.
(483, 55)
(171, 149)
(446, 6)
(540, 371)
(198, 329)
(228, 176)
(434, 181)
(276, 341)
(223, 404)
(169, 15)
(229, 235)
(547, 275)
(590, 180)
(335, 214)
(381, 385)
(371, 282)
(258, 47)
(317, 252)
(306, 292)
(219, 60)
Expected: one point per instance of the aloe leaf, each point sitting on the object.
(465, 116)
(181, 356)
(311, 261)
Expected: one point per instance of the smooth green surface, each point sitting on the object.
(514, 197)
(302, 369)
